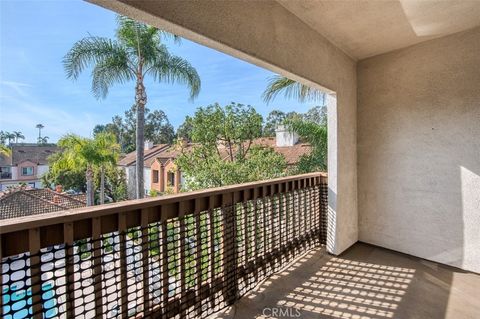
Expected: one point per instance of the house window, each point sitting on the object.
(155, 176)
(5, 172)
(27, 171)
(171, 178)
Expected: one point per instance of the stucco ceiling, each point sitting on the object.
(364, 28)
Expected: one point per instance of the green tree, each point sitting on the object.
(223, 153)
(10, 137)
(157, 128)
(312, 126)
(114, 181)
(184, 131)
(273, 120)
(317, 114)
(316, 135)
(290, 89)
(78, 152)
(137, 52)
(4, 150)
(40, 126)
(18, 135)
(43, 140)
(71, 178)
(276, 118)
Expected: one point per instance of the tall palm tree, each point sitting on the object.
(10, 137)
(135, 53)
(291, 89)
(83, 152)
(18, 135)
(3, 137)
(40, 127)
(108, 150)
(43, 140)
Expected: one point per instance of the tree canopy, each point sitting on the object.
(79, 156)
(157, 128)
(223, 152)
(316, 135)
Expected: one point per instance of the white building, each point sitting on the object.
(129, 162)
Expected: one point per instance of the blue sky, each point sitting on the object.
(35, 35)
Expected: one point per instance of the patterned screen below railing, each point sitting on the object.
(187, 267)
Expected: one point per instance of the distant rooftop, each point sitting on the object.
(166, 152)
(26, 202)
(36, 153)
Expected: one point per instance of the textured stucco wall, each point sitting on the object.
(419, 150)
(147, 179)
(268, 35)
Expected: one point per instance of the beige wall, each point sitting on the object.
(419, 150)
(268, 35)
(157, 167)
(20, 166)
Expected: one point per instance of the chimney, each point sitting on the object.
(56, 199)
(148, 144)
(59, 189)
(284, 137)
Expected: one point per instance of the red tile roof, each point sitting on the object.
(131, 158)
(164, 152)
(292, 154)
(26, 202)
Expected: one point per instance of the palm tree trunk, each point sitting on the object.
(89, 177)
(141, 100)
(102, 185)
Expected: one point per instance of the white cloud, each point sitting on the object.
(18, 87)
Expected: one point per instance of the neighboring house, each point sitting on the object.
(162, 175)
(128, 163)
(26, 165)
(25, 202)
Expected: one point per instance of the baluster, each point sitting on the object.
(122, 238)
(145, 260)
(97, 265)
(35, 272)
(230, 287)
(69, 270)
(164, 266)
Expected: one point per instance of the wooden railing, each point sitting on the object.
(184, 255)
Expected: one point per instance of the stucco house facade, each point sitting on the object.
(26, 165)
(162, 175)
(128, 163)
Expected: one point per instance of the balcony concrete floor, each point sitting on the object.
(364, 282)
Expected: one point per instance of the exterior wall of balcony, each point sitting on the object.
(266, 34)
(419, 150)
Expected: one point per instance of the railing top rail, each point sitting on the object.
(73, 215)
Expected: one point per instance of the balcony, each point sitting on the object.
(186, 255)
(243, 251)
(5, 175)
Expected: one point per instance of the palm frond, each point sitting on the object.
(129, 31)
(109, 71)
(173, 69)
(90, 51)
(290, 89)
